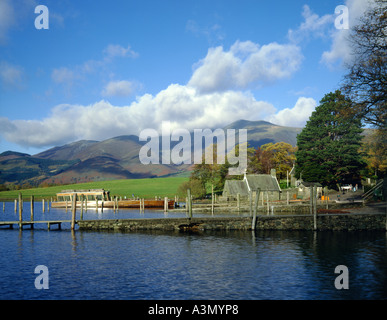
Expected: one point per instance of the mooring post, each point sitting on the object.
(238, 202)
(15, 205)
(254, 221)
(73, 210)
(165, 204)
(66, 206)
(251, 203)
(267, 199)
(20, 207)
(32, 208)
(212, 199)
(43, 208)
(315, 208)
(189, 204)
(3, 206)
(82, 198)
(311, 200)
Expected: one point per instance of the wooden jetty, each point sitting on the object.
(21, 224)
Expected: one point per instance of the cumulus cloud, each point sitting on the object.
(121, 88)
(245, 65)
(11, 75)
(313, 26)
(296, 116)
(115, 50)
(67, 76)
(340, 50)
(184, 107)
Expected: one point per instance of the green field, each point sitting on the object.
(144, 188)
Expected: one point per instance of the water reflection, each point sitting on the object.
(207, 265)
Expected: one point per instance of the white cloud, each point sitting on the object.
(11, 75)
(313, 26)
(296, 116)
(121, 88)
(7, 18)
(63, 75)
(184, 107)
(246, 64)
(340, 49)
(115, 50)
(67, 76)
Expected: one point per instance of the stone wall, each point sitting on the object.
(335, 222)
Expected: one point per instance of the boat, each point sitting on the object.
(93, 198)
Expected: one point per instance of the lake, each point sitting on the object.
(171, 265)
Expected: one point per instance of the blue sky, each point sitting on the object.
(109, 68)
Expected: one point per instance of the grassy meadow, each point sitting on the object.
(144, 188)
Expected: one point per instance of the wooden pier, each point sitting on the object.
(21, 224)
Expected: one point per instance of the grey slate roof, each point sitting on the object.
(263, 181)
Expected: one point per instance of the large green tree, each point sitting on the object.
(329, 144)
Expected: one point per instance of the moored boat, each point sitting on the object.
(100, 198)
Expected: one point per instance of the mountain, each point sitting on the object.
(115, 158)
(262, 132)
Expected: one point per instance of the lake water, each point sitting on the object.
(162, 265)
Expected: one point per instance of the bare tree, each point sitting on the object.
(366, 81)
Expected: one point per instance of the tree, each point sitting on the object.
(197, 189)
(279, 156)
(375, 156)
(329, 144)
(366, 81)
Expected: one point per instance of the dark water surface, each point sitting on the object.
(213, 265)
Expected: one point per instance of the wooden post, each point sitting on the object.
(254, 221)
(102, 205)
(43, 208)
(165, 204)
(212, 199)
(267, 198)
(82, 198)
(66, 206)
(15, 205)
(73, 210)
(311, 200)
(48, 205)
(96, 204)
(32, 208)
(189, 204)
(251, 202)
(315, 208)
(20, 207)
(238, 202)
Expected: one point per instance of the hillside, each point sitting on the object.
(115, 158)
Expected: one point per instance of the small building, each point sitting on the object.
(251, 182)
(304, 189)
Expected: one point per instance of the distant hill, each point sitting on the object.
(115, 158)
(262, 132)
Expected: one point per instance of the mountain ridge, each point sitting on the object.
(115, 158)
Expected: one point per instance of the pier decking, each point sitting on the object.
(21, 224)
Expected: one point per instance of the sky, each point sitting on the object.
(101, 69)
